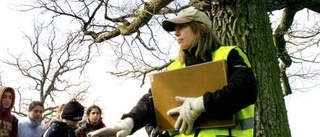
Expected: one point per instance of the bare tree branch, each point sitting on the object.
(51, 66)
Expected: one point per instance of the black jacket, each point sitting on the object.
(86, 127)
(240, 92)
(59, 129)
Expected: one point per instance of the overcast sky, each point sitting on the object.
(303, 108)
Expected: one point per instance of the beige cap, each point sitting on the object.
(186, 16)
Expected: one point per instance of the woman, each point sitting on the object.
(31, 125)
(193, 32)
(93, 121)
(8, 122)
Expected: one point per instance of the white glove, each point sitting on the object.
(189, 111)
(121, 129)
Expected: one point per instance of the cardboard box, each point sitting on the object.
(192, 81)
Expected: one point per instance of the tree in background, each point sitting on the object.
(130, 29)
(301, 42)
(53, 68)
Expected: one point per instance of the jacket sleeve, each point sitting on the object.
(15, 122)
(240, 92)
(142, 113)
(52, 130)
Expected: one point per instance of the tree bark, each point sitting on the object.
(246, 23)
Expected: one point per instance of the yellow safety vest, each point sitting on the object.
(244, 118)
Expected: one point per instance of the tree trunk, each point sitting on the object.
(246, 23)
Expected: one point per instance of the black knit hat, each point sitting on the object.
(73, 110)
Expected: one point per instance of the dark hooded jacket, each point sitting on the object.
(59, 129)
(8, 122)
(87, 127)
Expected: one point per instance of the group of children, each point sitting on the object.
(70, 121)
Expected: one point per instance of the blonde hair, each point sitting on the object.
(60, 109)
(205, 41)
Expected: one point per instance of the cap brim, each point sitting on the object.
(170, 24)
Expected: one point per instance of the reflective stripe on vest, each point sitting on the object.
(244, 118)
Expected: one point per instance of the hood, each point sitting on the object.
(2, 90)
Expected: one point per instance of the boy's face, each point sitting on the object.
(6, 99)
(71, 123)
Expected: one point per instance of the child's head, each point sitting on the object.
(72, 113)
(7, 97)
(36, 109)
(94, 114)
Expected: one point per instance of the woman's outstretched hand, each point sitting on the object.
(121, 129)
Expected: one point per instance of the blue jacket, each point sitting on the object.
(27, 128)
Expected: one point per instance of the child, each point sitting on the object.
(72, 113)
(93, 121)
(31, 125)
(8, 122)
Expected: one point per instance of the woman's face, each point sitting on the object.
(36, 113)
(94, 116)
(184, 36)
